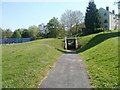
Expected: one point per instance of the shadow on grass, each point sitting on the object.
(98, 39)
(60, 50)
(66, 52)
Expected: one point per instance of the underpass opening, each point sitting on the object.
(71, 44)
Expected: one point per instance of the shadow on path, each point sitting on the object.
(67, 52)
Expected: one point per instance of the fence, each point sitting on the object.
(14, 40)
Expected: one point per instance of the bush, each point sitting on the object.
(100, 29)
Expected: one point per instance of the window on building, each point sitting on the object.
(105, 21)
(105, 26)
(105, 14)
(114, 18)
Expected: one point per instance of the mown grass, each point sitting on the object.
(100, 53)
(25, 65)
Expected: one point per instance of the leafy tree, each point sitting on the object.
(5, 33)
(8, 33)
(33, 31)
(92, 18)
(53, 28)
(17, 34)
(61, 32)
(1, 31)
(119, 4)
(25, 33)
(119, 16)
(119, 9)
(79, 29)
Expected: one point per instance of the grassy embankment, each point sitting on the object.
(100, 53)
(25, 65)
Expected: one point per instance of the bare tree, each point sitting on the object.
(42, 27)
(66, 20)
(77, 18)
(70, 19)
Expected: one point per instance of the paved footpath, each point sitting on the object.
(69, 72)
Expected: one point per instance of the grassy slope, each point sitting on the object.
(26, 64)
(100, 52)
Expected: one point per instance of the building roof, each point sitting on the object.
(105, 10)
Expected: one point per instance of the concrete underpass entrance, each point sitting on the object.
(71, 44)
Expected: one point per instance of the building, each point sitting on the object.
(119, 15)
(109, 21)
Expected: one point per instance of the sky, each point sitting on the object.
(22, 14)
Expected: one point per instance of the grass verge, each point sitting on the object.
(25, 65)
(100, 53)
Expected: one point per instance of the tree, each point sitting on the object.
(33, 31)
(8, 33)
(92, 18)
(119, 15)
(17, 34)
(61, 32)
(77, 18)
(70, 19)
(52, 28)
(1, 32)
(80, 28)
(119, 9)
(118, 4)
(42, 27)
(67, 21)
(25, 33)
(43, 30)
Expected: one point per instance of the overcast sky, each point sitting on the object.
(24, 13)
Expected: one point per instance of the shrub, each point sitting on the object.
(100, 29)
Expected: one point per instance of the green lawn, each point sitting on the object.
(25, 65)
(100, 53)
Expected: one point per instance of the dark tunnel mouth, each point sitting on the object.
(71, 44)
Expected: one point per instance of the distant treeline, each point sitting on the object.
(32, 32)
(71, 23)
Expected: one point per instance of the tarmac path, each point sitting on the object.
(69, 72)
